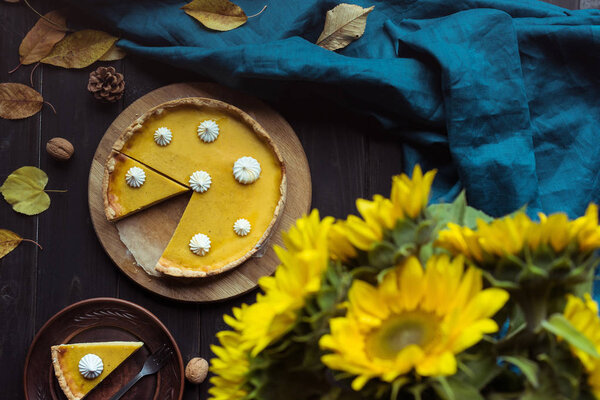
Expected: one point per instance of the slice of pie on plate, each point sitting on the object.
(80, 367)
(130, 186)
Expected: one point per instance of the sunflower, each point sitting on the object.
(583, 315)
(303, 263)
(408, 199)
(511, 235)
(230, 367)
(416, 319)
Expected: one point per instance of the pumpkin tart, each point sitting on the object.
(121, 199)
(66, 359)
(206, 163)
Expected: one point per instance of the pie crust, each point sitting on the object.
(171, 267)
(63, 379)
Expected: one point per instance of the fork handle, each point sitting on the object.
(125, 388)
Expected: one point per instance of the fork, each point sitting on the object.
(152, 365)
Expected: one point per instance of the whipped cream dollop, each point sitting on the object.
(200, 181)
(246, 170)
(135, 177)
(163, 136)
(208, 131)
(200, 244)
(242, 227)
(90, 366)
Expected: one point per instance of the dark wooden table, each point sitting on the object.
(349, 157)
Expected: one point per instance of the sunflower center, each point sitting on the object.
(402, 330)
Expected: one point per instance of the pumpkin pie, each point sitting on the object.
(122, 198)
(234, 170)
(80, 367)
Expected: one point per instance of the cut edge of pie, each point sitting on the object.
(167, 266)
(63, 378)
(171, 268)
(111, 207)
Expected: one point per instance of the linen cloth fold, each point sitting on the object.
(502, 96)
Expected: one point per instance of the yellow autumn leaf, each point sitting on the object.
(80, 49)
(219, 15)
(24, 190)
(8, 241)
(113, 54)
(343, 24)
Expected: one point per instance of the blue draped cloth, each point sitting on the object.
(502, 96)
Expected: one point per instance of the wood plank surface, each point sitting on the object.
(345, 164)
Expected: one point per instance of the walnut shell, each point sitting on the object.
(60, 149)
(196, 370)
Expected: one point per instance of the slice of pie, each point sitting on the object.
(130, 187)
(232, 165)
(80, 367)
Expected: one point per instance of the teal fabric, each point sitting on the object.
(502, 96)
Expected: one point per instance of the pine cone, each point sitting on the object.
(106, 84)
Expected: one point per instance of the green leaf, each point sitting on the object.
(529, 368)
(381, 255)
(455, 389)
(24, 190)
(560, 326)
(458, 212)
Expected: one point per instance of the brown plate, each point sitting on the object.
(100, 320)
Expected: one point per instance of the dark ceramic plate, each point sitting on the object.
(100, 320)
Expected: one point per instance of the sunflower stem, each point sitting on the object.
(534, 303)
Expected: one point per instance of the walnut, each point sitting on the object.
(196, 370)
(60, 149)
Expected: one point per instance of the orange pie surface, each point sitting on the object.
(66, 357)
(213, 212)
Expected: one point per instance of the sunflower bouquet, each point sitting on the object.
(418, 301)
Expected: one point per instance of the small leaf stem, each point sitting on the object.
(55, 191)
(34, 242)
(258, 13)
(59, 27)
(24, 240)
(15, 68)
(51, 106)
(31, 76)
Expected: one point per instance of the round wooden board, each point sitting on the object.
(245, 277)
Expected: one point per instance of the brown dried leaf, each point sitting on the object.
(18, 101)
(219, 15)
(113, 54)
(80, 49)
(8, 241)
(343, 24)
(40, 40)
(11, 1)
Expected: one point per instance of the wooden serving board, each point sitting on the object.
(244, 277)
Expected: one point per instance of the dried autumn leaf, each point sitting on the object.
(24, 190)
(219, 15)
(113, 54)
(19, 101)
(80, 49)
(40, 40)
(343, 24)
(8, 241)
